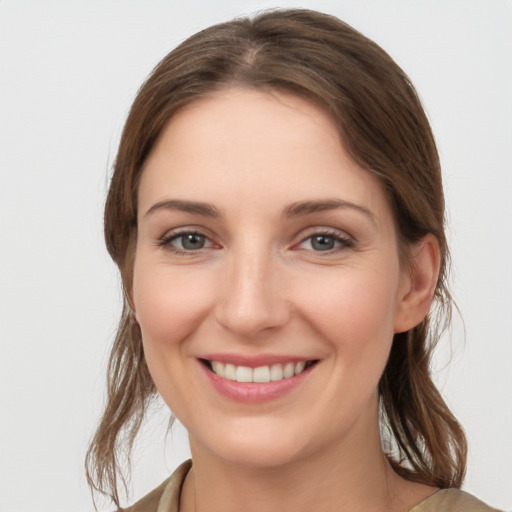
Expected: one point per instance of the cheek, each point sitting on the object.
(354, 311)
(359, 299)
(169, 307)
(169, 304)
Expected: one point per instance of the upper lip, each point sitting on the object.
(256, 361)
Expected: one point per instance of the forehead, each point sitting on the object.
(264, 119)
(238, 145)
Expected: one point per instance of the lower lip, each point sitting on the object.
(254, 392)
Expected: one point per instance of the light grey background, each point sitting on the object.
(69, 70)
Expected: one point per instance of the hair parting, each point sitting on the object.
(385, 130)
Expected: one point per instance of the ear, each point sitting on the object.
(418, 285)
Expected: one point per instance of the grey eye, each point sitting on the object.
(322, 242)
(192, 241)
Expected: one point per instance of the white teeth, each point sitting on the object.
(289, 370)
(218, 368)
(243, 374)
(276, 372)
(230, 371)
(299, 367)
(260, 374)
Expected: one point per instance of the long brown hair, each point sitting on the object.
(385, 130)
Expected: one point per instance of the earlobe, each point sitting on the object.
(416, 298)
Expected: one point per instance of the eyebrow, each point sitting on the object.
(297, 209)
(194, 207)
(308, 207)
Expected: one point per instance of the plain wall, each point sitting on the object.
(69, 70)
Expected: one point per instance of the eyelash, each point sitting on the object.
(344, 242)
(166, 241)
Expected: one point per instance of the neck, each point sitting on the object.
(352, 477)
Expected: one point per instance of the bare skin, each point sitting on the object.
(352, 483)
(259, 238)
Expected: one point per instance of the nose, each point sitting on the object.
(253, 301)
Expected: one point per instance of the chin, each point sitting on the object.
(256, 444)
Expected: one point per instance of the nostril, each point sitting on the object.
(249, 318)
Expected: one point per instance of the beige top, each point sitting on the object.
(166, 498)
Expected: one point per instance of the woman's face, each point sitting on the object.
(267, 281)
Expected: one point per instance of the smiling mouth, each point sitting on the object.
(260, 374)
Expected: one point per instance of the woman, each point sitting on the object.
(277, 215)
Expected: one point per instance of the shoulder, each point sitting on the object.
(452, 500)
(166, 496)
